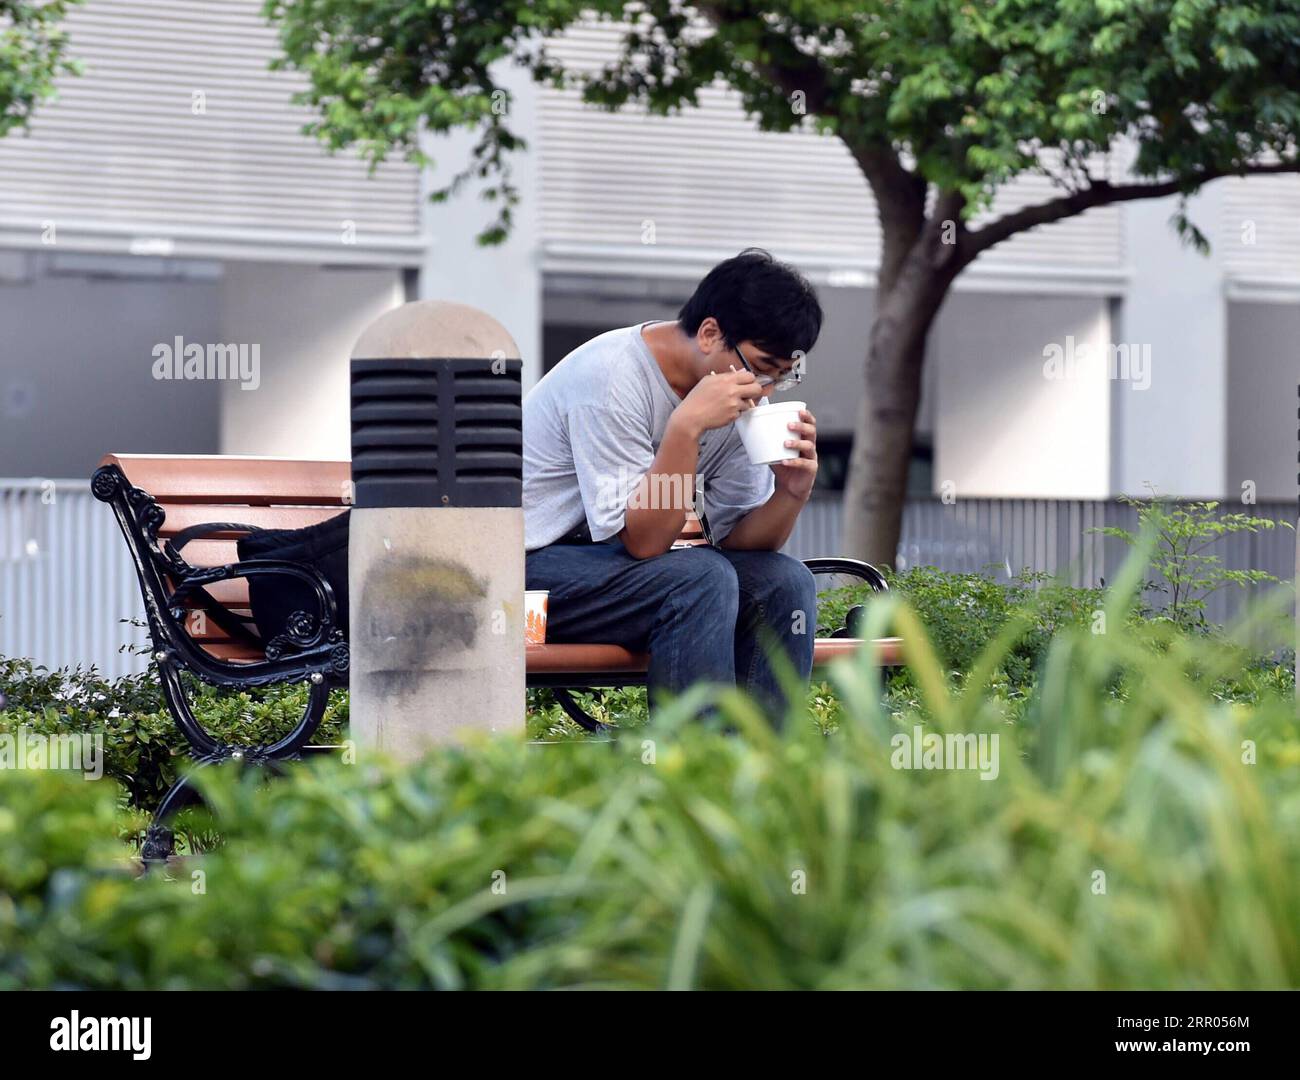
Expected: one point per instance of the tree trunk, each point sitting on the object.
(882, 450)
(882, 443)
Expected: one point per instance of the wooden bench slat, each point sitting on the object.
(241, 481)
(283, 494)
(581, 658)
(212, 635)
(211, 631)
(234, 653)
(210, 552)
(232, 593)
(182, 516)
(888, 651)
(566, 659)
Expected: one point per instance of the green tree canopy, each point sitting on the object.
(31, 56)
(939, 101)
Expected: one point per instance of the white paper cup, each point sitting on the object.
(763, 430)
(535, 601)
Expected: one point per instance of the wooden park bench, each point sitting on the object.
(182, 518)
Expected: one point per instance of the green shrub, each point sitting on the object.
(143, 749)
(963, 612)
(1188, 570)
(1144, 839)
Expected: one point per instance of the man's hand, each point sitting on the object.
(717, 400)
(768, 527)
(797, 476)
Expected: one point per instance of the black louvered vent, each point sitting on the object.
(437, 432)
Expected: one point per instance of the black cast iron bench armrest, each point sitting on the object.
(313, 650)
(312, 642)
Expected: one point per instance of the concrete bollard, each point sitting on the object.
(436, 542)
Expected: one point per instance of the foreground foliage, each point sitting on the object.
(1127, 839)
(143, 750)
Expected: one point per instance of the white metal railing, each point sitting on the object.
(66, 579)
(1051, 535)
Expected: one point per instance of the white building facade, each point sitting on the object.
(170, 198)
(170, 193)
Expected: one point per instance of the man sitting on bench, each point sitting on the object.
(619, 435)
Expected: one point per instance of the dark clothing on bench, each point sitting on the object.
(696, 610)
(274, 598)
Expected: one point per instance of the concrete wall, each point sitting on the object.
(1002, 426)
(1263, 372)
(305, 321)
(76, 359)
(1174, 435)
(505, 280)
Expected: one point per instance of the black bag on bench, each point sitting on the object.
(275, 597)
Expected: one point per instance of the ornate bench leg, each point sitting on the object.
(575, 712)
(159, 840)
(159, 845)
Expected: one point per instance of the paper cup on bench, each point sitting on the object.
(763, 430)
(535, 616)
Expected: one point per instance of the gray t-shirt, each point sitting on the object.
(592, 427)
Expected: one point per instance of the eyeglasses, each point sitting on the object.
(786, 381)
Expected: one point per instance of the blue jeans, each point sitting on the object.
(703, 613)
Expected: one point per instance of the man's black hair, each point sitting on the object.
(756, 298)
